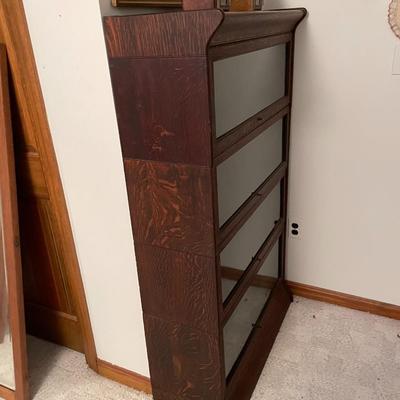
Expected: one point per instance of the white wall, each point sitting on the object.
(70, 53)
(345, 186)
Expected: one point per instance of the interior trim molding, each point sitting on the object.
(125, 377)
(6, 394)
(345, 300)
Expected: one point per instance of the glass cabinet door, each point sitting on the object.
(246, 84)
(243, 320)
(241, 174)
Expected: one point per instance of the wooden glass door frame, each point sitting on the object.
(14, 33)
(11, 241)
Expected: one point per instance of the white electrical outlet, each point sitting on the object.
(396, 61)
(294, 229)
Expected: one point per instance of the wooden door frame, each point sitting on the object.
(14, 33)
(10, 241)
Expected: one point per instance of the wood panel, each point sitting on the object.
(45, 283)
(191, 299)
(54, 326)
(32, 179)
(167, 136)
(38, 173)
(198, 4)
(154, 35)
(237, 27)
(172, 348)
(345, 300)
(173, 205)
(125, 377)
(236, 48)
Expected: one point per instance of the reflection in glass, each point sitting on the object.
(238, 254)
(241, 174)
(7, 378)
(241, 323)
(246, 84)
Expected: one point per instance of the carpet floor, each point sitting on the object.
(323, 352)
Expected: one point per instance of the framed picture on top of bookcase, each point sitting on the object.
(223, 4)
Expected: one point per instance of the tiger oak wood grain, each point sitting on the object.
(189, 283)
(173, 205)
(172, 347)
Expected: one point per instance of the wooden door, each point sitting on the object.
(55, 302)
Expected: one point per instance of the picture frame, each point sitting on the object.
(223, 4)
(146, 3)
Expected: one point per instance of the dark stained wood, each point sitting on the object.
(172, 348)
(43, 285)
(139, 85)
(173, 205)
(154, 35)
(147, 3)
(198, 4)
(248, 130)
(247, 209)
(248, 276)
(237, 27)
(345, 300)
(245, 373)
(10, 243)
(32, 179)
(38, 173)
(188, 282)
(162, 74)
(236, 48)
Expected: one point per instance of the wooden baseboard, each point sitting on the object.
(6, 394)
(345, 300)
(125, 377)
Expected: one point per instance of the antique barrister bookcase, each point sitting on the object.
(203, 101)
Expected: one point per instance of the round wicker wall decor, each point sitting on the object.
(394, 17)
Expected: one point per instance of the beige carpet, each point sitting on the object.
(323, 352)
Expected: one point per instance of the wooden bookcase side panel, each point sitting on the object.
(178, 287)
(171, 206)
(161, 69)
(163, 108)
(184, 361)
(175, 34)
